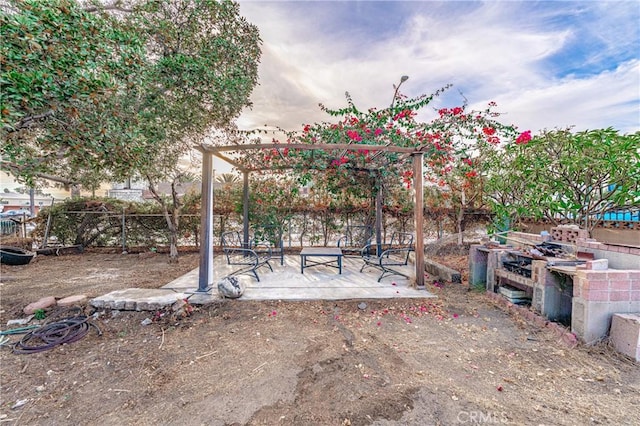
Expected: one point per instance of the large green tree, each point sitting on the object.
(203, 64)
(95, 91)
(563, 175)
(64, 74)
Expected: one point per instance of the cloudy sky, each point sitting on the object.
(548, 64)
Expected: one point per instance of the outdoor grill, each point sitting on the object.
(520, 266)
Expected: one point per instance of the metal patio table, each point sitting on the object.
(321, 252)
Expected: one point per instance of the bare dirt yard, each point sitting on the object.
(457, 359)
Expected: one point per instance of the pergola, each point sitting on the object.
(416, 154)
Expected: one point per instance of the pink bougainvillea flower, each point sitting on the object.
(379, 324)
(488, 131)
(273, 314)
(455, 315)
(354, 135)
(524, 138)
(378, 131)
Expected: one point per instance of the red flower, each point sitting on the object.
(457, 110)
(467, 161)
(488, 131)
(378, 132)
(524, 138)
(354, 135)
(307, 127)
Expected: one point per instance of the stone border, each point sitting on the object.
(565, 336)
(442, 272)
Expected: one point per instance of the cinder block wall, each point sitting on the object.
(597, 295)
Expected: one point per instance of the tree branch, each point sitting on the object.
(116, 5)
(26, 121)
(15, 169)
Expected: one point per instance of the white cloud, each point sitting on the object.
(529, 57)
(609, 99)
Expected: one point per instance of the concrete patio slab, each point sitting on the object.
(321, 283)
(284, 283)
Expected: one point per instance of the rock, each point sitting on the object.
(362, 306)
(230, 287)
(21, 321)
(146, 321)
(43, 303)
(178, 305)
(181, 308)
(19, 403)
(78, 299)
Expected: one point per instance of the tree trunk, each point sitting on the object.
(172, 223)
(461, 218)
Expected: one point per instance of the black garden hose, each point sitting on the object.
(67, 330)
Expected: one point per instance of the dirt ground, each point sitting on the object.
(457, 359)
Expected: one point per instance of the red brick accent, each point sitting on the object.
(634, 296)
(619, 296)
(635, 284)
(593, 275)
(595, 284)
(620, 284)
(617, 275)
(596, 295)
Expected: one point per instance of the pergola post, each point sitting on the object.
(205, 274)
(245, 209)
(379, 202)
(418, 172)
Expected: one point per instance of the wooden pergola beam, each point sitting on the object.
(307, 147)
